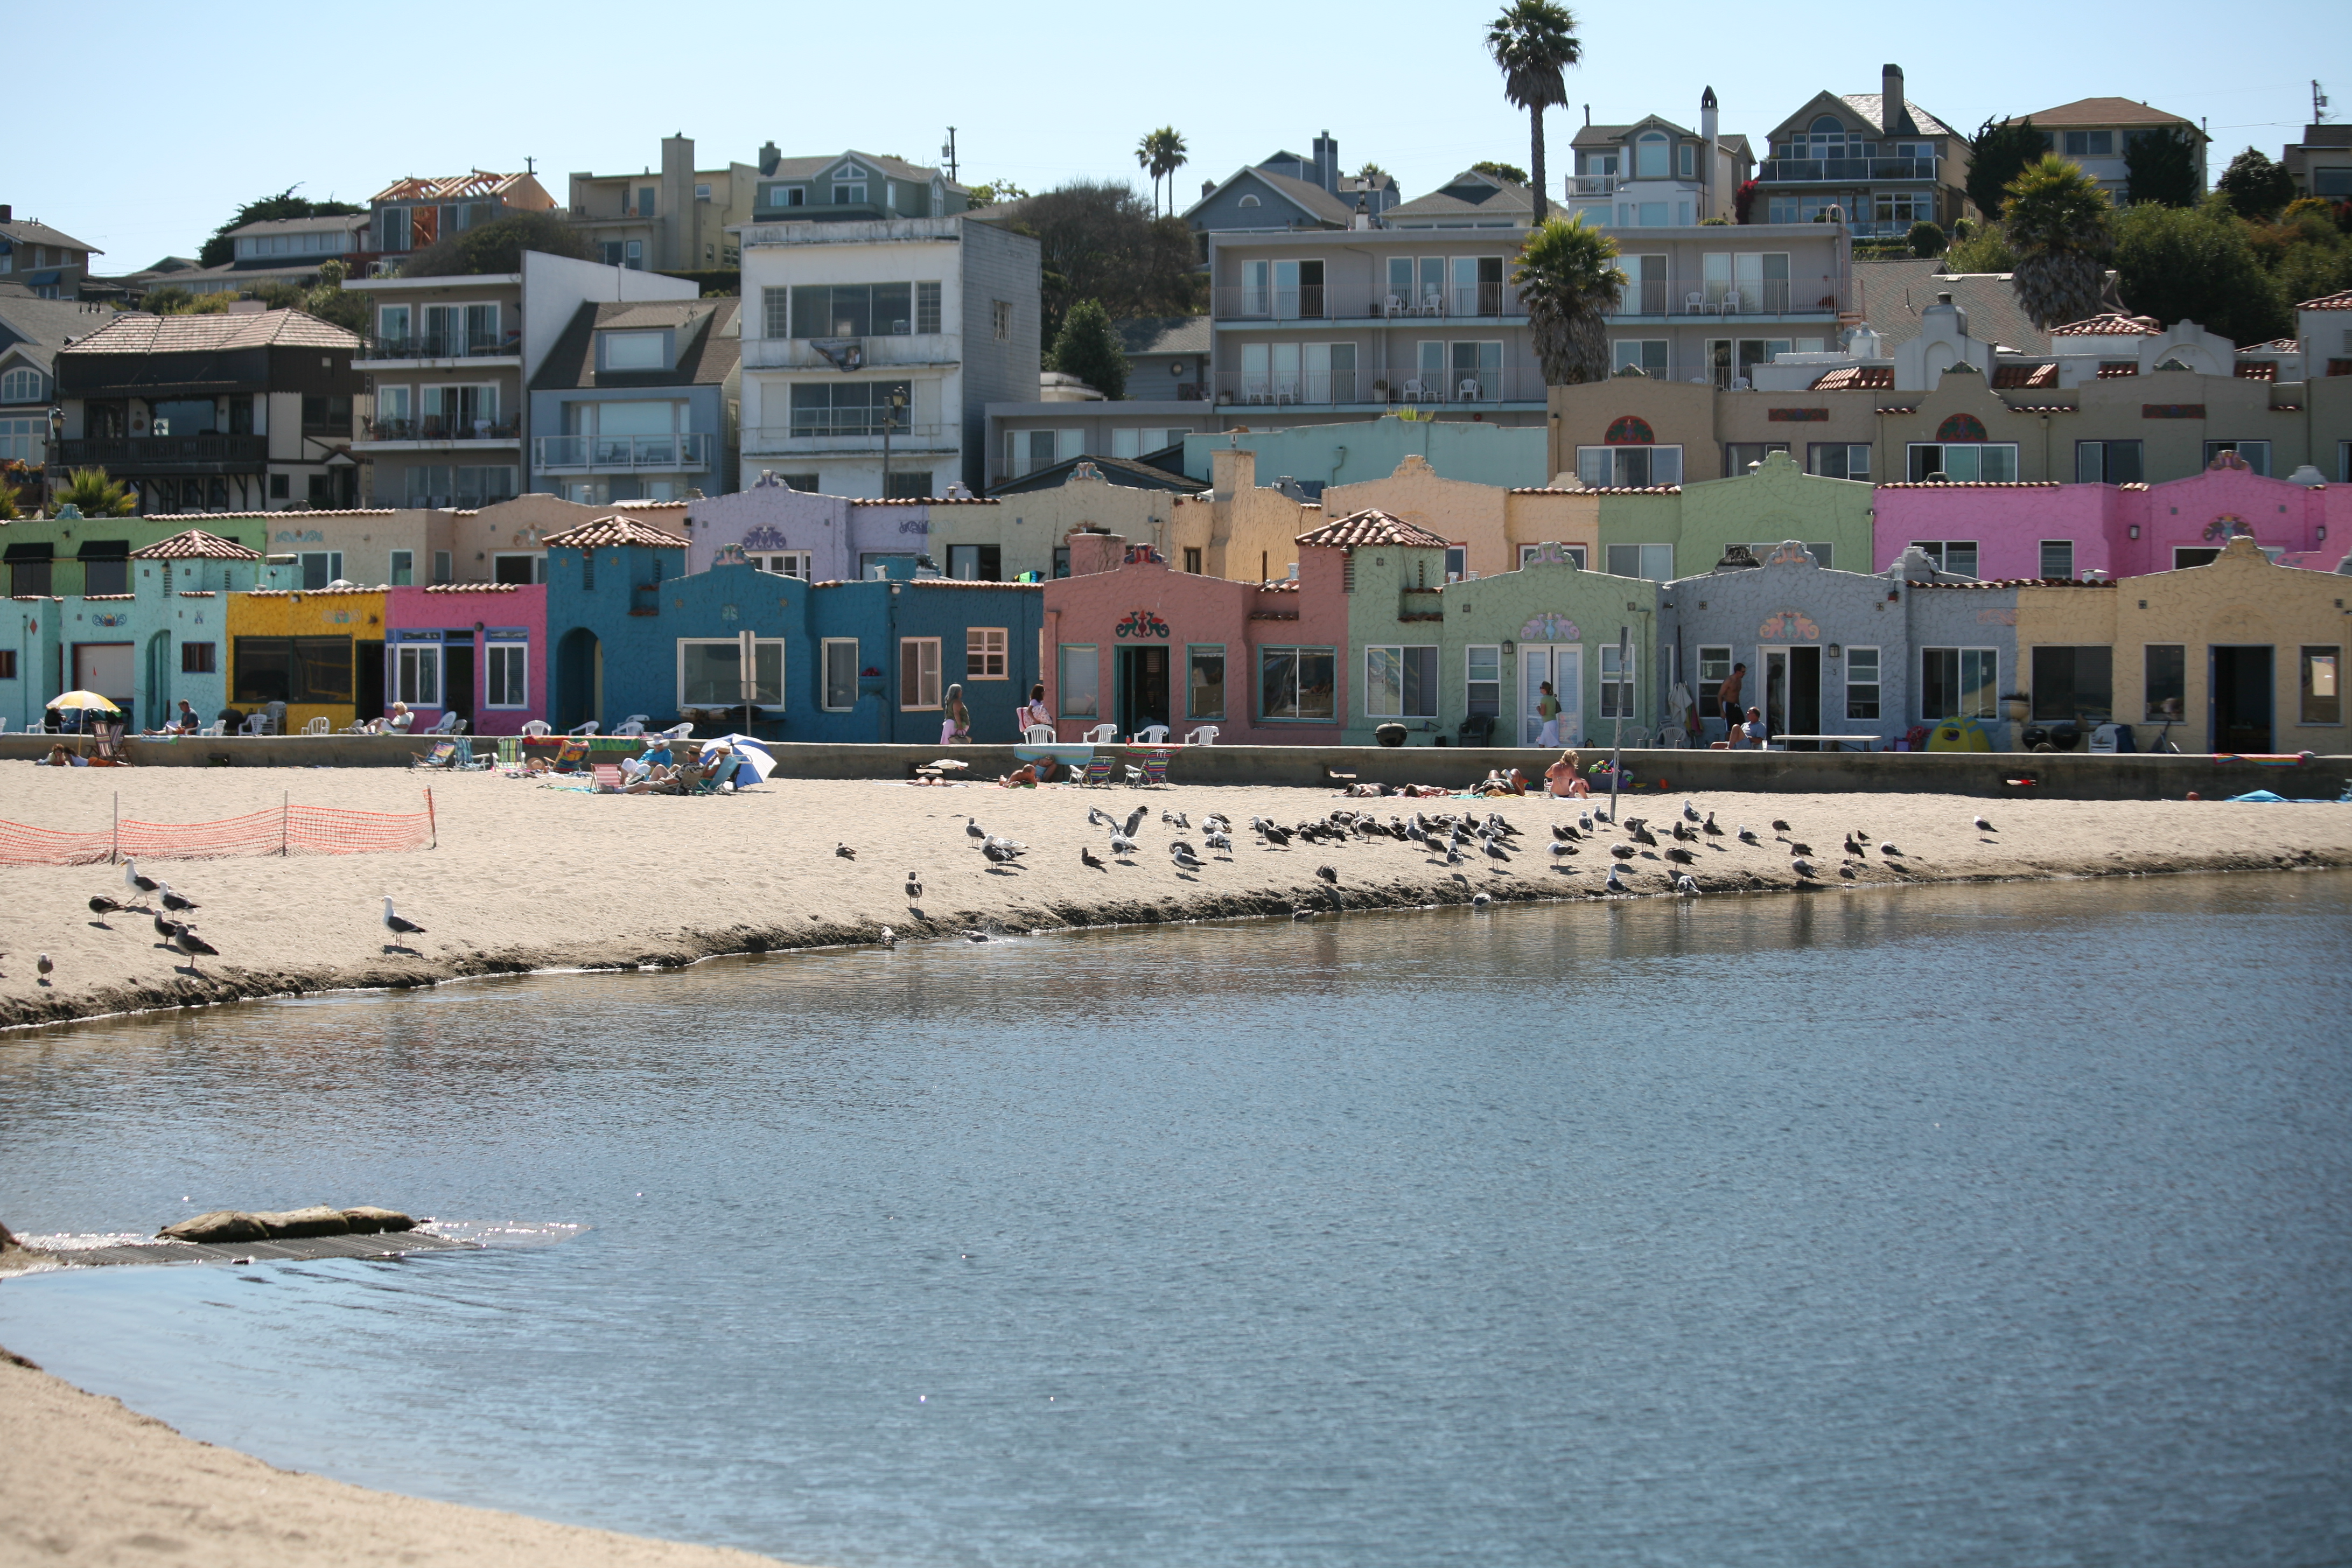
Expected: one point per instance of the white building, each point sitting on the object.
(1655, 173)
(891, 335)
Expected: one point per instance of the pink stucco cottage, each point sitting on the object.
(478, 647)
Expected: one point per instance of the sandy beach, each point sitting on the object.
(529, 877)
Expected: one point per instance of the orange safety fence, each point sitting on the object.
(290, 830)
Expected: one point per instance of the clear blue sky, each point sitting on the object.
(158, 122)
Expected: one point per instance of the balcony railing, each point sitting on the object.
(844, 430)
(458, 345)
(1389, 386)
(1244, 302)
(425, 500)
(620, 453)
(872, 351)
(1594, 185)
(442, 428)
(1823, 296)
(1823, 171)
(153, 452)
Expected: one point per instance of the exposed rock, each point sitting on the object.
(221, 1224)
(367, 1221)
(7, 1240)
(316, 1220)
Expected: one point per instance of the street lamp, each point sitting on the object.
(891, 405)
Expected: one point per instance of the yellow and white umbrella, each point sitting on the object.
(83, 700)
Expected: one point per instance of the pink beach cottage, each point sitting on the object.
(2002, 531)
(1134, 645)
(479, 649)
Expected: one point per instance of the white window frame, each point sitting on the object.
(1470, 680)
(1576, 553)
(1091, 656)
(2044, 547)
(412, 660)
(633, 340)
(1586, 455)
(1875, 684)
(538, 559)
(500, 651)
(1384, 683)
(1960, 670)
(2214, 448)
(987, 647)
(1940, 551)
(828, 651)
(760, 645)
(1619, 688)
(2309, 657)
(925, 669)
(795, 563)
(404, 568)
(1649, 557)
(20, 386)
(333, 558)
(1618, 358)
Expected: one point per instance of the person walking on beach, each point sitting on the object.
(955, 721)
(1548, 710)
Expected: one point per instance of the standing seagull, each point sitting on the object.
(101, 905)
(135, 882)
(1984, 827)
(46, 967)
(1088, 857)
(972, 830)
(1135, 819)
(398, 926)
(188, 944)
(175, 902)
(914, 887)
(1181, 853)
(1687, 885)
(1327, 874)
(844, 851)
(1615, 883)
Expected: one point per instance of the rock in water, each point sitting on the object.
(221, 1224)
(367, 1221)
(316, 1220)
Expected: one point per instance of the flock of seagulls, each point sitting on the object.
(178, 934)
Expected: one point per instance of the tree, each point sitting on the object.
(1162, 154)
(994, 191)
(2304, 252)
(9, 510)
(497, 246)
(1743, 201)
(1088, 348)
(1370, 171)
(1986, 250)
(220, 249)
(1099, 241)
(1998, 154)
(1534, 42)
(1510, 172)
(2160, 165)
(2256, 187)
(171, 299)
(1925, 239)
(2196, 264)
(1567, 277)
(96, 494)
(2058, 222)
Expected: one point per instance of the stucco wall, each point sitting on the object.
(353, 613)
(1792, 603)
(1029, 526)
(1489, 520)
(1351, 453)
(771, 517)
(480, 609)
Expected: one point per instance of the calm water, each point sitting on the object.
(1946, 1225)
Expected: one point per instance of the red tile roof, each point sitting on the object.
(2339, 301)
(475, 588)
(2014, 375)
(2275, 346)
(2258, 370)
(1876, 378)
(2113, 323)
(195, 545)
(2118, 369)
(607, 532)
(1372, 526)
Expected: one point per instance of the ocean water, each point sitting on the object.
(1922, 1226)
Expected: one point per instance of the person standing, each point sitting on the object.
(1727, 699)
(1548, 710)
(955, 719)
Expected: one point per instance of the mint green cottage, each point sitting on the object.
(1663, 531)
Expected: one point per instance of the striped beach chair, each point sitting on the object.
(1098, 768)
(1155, 768)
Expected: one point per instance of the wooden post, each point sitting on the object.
(432, 822)
(114, 849)
(285, 821)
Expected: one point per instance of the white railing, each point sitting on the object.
(601, 453)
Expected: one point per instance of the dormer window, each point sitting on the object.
(1825, 138)
(1650, 156)
(635, 350)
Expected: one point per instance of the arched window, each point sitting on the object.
(1650, 156)
(20, 386)
(1825, 138)
(1247, 202)
(1960, 427)
(1629, 431)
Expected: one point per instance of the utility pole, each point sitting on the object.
(890, 406)
(948, 153)
(1617, 750)
(2318, 104)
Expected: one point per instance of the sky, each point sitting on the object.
(340, 100)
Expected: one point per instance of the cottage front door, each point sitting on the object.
(1562, 664)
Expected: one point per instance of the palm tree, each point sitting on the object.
(1146, 157)
(1567, 277)
(96, 494)
(1534, 41)
(1161, 153)
(2060, 225)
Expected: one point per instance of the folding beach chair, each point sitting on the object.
(1155, 768)
(571, 756)
(608, 778)
(1099, 767)
(443, 754)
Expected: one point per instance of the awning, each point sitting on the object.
(34, 551)
(50, 275)
(105, 548)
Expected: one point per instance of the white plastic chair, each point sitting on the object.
(1151, 735)
(679, 731)
(1415, 391)
(445, 725)
(590, 727)
(1038, 734)
(1693, 304)
(640, 720)
(1206, 735)
(213, 729)
(1395, 305)
(537, 727)
(256, 724)
(319, 727)
(1432, 303)
(1469, 390)
(633, 727)
(1102, 734)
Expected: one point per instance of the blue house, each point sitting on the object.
(831, 661)
(631, 403)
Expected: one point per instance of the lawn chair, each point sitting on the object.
(608, 777)
(445, 725)
(1151, 735)
(590, 727)
(569, 756)
(679, 731)
(630, 727)
(256, 724)
(443, 754)
(213, 730)
(538, 727)
(320, 726)
(1155, 768)
(1038, 734)
(1099, 767)
(1206, 735)
(1101, 734)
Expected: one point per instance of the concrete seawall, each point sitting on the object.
(2058, 775)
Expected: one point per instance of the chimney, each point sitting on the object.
(1091, 552)
(1894, 113)
(7, 212)
(769, 158)
(1327, 162)
(1707, 153)
(1208, 187)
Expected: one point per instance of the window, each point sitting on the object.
(2057, 558)
(919, 672)
(2073, 683)
(506, 675)
(1861, 682)
(196, 657)
(24, 440)
(1959, 683)
(784, 196)
(847, 192)
(1647, 356)
(1401, 682)
(417, 674)
(840, 674)
(633, 254)
(1204, 680)
(1079, 686)
(1628, 467)
(1297, 683)
(1458, 563)
(711, 672)
(775, 313)
(999, 316)
(1714, 669)
(1739, 457)
(29, 578)
(320, 567)
(1575, 553)
(983, 654)
(20, 386)
(1616, 683)
(975, 563)
(702, 193)
(1193, 559)
(634, 351)
(443, 571)
(1650, 156)
(404, 568)
(1656, 561)
(1839, 460)
(8, 664)
(2165, 685)
(1975, 462)
(1957, 556)
(1686, 162)
(293, 669)
(517, 567)
(2107, 462)
(904, 484)
(1482, 687)
(2257, 454)
(849, 408)
(787, 563)
(926, 307)
(2090, 144)
(2321, 686)
(854, 311)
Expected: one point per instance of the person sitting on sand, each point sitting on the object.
(59, 757)
(1563, 780)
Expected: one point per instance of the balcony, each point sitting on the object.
(877, 351)
(1662, 297)
(846, 430)
(450, 346)
(620, 453)
(442, 428)
(1596, 184)
(1395, 386)
(121, 455)
(1465, 301)
(1830, 171)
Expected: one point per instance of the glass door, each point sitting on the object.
(1562, 664)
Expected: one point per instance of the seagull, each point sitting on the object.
(46, 967)
(1889, 849)
(844, 851)
(398, 926)
(1796, 849)
(1802, 867)
(914, 885)
(1562, 832)
(1709, 828)
(998, 851)
(1622, 851)
(101, 905)
(972, 830)
(1680, 856)
(1327, 874)
(1984, 827)
(1088, 857)
(135, 881)
(1690, 812)
(1219, 840)
(1778, 825)
(1097, 816)
(1137, 818)
(1562, 851)
(1614, 884)
(1643, 836)
(1122, 844)
(188, 943)
(1302, 914)
(1687, 885)
(1854, 851)
(1847, 872)
(1748, 834)
(1480, 900)
(1585, 822)
(164, 925)
(1274, 835)
(1181, 853)
(1180, 819)
(1684, 834)
(1494, 851)
(887, 938)
(175, 902)
(975, 936)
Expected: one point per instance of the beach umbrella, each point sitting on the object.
(754, 755)
(84, 699)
